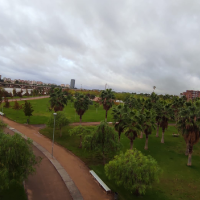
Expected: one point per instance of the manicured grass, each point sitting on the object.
(41, 113)
(178, 181)
(15, 192)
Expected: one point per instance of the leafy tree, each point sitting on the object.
(103, 139)
(107, 100)
(134, 171)
(81, 105)
(17, 160)
(16, 105)
(154, 97)
(120, 117)
(61, 121)
(6, 103)
(57, 100)
(14, 92)
(28, 109)
(189, 124)
(80, 131)
(131, 102)
(133, 127)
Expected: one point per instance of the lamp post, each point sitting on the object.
(53, 131)
(2, 108)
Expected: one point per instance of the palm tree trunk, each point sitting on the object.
(190, 155)
(131, 143)
(106, 116)
(157, 133)
(146, 143)
(141, 134)
(162, 140)
(119, 135)
(187, 149)
(80, 119)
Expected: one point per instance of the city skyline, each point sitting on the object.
(130, 45)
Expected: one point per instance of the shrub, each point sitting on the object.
(133, 170)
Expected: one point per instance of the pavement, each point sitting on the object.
(46, 183)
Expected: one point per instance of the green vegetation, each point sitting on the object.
(177, 180)
(41, 113)
(134, 171)
(15, 192)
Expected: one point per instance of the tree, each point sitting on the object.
(61, 121)
(96, 105)
(107, 100)
(81, 104)
(154, 87)
(120, 117)
(7, 103)
(17, 159)
(166, 113)
(28, 109)
(103, 140)
(133, 127)
(149, 125)
(189, 124)
(14, 92)
(16, 105)
(80, 131)
(57, 99)
(134, 171)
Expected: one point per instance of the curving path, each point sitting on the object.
(46, 183)
(76, 169)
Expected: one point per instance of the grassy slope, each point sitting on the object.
(41, 113)
(178, 181)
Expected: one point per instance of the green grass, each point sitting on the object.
(178, 181)
(15, 192)
(41, 113)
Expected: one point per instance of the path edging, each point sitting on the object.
(73, 190)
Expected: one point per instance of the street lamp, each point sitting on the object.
(53, 131)
(2, 108)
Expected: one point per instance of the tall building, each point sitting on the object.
(191, 94)
(0, 77)
(72, 84)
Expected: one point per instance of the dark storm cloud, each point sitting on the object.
(130, 45)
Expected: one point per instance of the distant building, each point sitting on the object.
(191, 94)
(72, 84)
(0, 77)
(67, 85)
(62, 85)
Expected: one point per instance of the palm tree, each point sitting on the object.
(81, 104)
(107, 100)
(158, 109)
(133, 127)
(120, 118)
(189, 124)
(57, 100)
(154, 87)
(149, 125)
(166, 113)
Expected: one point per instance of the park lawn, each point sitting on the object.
(178, 181)
(15, 192)
(41, 113)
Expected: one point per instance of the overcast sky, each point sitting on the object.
(131, 45)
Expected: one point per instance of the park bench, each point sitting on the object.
(1, 113)
(103, 185)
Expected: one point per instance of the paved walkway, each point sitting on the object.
(76, 169)
(46, 183)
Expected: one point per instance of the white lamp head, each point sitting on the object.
(54, 114)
